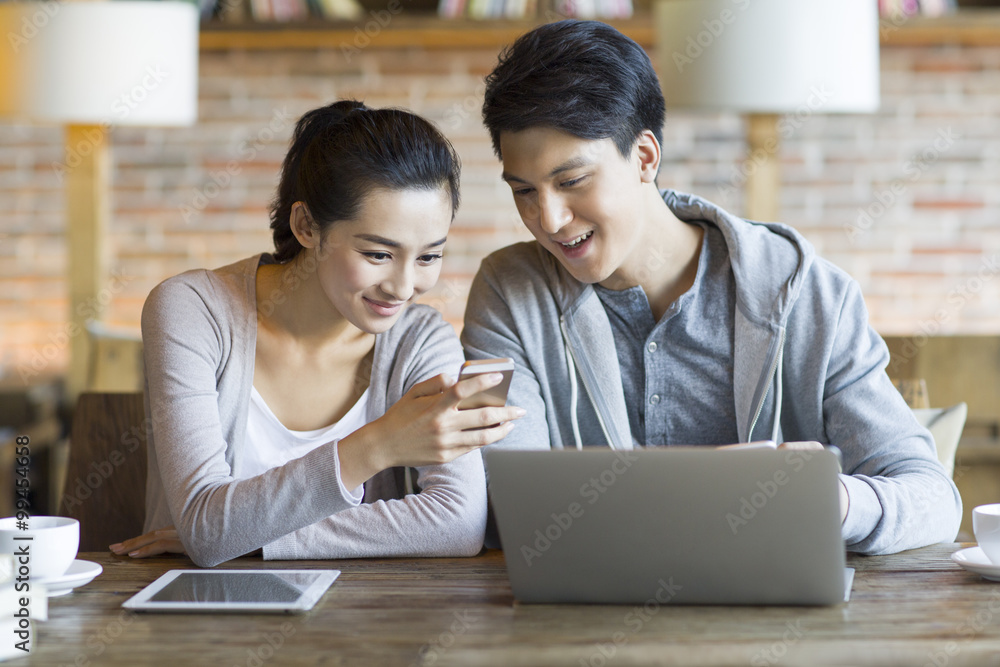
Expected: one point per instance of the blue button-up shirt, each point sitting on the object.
(678, 373)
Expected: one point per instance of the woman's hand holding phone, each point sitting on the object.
(426, 427)
(493, 396)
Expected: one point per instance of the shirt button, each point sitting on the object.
(652, 346)
(654, 399)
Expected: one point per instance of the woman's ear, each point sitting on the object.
(306, 231)
(648, 150)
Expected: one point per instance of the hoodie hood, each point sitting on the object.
(751, 246)
(764, 300)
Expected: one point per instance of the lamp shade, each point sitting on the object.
(769, 56)
(100, 63)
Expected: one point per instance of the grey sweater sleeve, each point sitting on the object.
(491, 331)
(193, 346)
(217, 516)
(447, 517)
(900, 495)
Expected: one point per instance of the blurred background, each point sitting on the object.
(903, 197)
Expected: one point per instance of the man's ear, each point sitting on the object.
(306, 231)
(648, 151)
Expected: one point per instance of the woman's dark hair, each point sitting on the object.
(582, 77)
(341, 152)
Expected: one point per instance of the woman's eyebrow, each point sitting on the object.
(381, 240)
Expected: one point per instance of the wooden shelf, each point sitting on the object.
(968, 27)
(428, 32)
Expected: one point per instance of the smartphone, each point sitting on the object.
(495, 396)
(759, 444)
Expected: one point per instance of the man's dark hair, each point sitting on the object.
(582, 77)
(343, 151)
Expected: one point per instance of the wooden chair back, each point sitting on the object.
(106, 475)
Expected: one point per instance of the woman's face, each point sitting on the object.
(374, 266)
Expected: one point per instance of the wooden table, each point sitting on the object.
(914, 608)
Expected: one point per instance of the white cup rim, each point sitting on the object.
(10, 522)
(992, 509)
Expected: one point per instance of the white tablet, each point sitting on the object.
(269, 591)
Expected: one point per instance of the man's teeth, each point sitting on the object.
(578, 240)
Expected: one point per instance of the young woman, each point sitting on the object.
(291, 393)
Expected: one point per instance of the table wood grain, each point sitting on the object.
(913, 608)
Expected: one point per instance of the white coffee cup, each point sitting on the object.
(51, 549)
(986, 526)
(6, 568)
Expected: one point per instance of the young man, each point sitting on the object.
(642, 317)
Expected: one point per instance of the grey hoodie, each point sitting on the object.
(806, 366)
(199, 334)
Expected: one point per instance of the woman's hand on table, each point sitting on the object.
(161, 541)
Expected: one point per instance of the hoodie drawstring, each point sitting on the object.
(777, 396)
(573, 398)
(573, 395)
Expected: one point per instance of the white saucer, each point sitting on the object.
(974, 560)
(79, 573)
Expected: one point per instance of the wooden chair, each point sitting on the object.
(115, 360)
(945, 424)
(914, 392)
(106, 476)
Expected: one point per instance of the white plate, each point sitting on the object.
(974, 560)
(79, 573)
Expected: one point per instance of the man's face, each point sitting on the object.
(579, 198)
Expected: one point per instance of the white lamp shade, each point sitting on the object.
(109, 63)
(769, 56)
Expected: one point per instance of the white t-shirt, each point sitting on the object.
(270, 444)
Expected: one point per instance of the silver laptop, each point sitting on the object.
(684, 525)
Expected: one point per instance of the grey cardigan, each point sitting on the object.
(806, 366)
(199, 333)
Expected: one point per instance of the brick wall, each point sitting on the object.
(905, 200)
